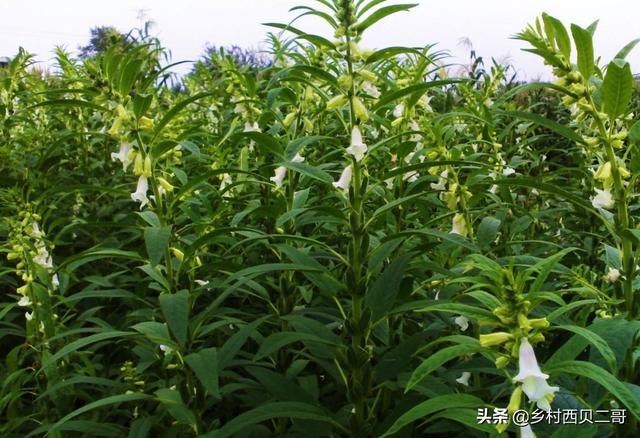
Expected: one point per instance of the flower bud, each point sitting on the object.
(146, 123)
(502, 361)
(495, 339)
(337, 102)
(165, 184)
(288, 120)
(177, 254)
(138, 164)
(368, 76)
(147, 166)
(539, 323)
(360, 110)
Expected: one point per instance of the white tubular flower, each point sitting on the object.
(389, 183)
(140, 195)
(28, 316)
(534, 381)
(165, 349)
(55, 282)
(281, 172)
(251, 127)
(226, 180)
(410, 176)
(371, 89)
(442, 181)
(464, 378)
(493, 189)
(459, 225)
(425, 101)
(357, 147)
(508, 171)
(527, 432)
(612, 276)
(462, 321)
(35, 231)
(409, 157)
(460, 127)
(602, 199)
(24, 301)
(201, 282)
(122, 155)
(398, 111)
(43, 258)
(345, 179)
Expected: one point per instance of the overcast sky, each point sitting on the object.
(186, 26)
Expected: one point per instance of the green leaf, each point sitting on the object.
(77, 381)
(155, 275)
(114, 399)
(296, 145)
(595, 340)
(468, 417)
(156, 240)
(313, 39)
(129, 75)
(560, 34)
(155, 331)
(299, 71)
(617, 88)
(204, 364)
(175, 110)
(141, 104)
(149, 217)
(390, 205)
(584, 47)
(428, 407)
(265, 141)
(438, 359)
(175, 308)
(460, 309)
(233, 345)
(544, 267)
(487, 231)
(281, 387)
(586, 369)
(556, 127)
(411, 90)
(278, 340)
(172, 400)
(622, 54)
(77, 260)
(634, 133)
(568, 307)
(389, 53)
(292, 410)
(382, 294)
(140, 428)
(80, 343)
(310, 171)
(381, 13)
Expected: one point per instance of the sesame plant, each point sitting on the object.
(325, 240)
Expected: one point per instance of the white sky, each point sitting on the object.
(186, 26)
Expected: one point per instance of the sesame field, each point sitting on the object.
(325, 240)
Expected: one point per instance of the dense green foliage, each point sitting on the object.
(340, 242)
